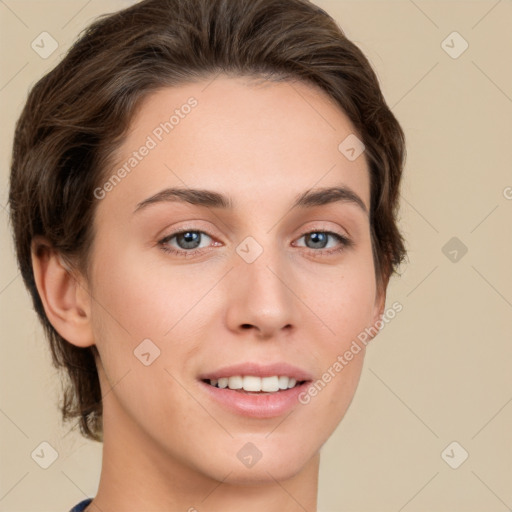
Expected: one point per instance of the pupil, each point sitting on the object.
(319, 239)
(191, 239)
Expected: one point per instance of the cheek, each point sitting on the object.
(344, 305)
(139, 297)
(342, 300)
(142, 306)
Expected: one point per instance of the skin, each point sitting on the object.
(168, 446)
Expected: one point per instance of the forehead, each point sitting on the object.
(245, 137)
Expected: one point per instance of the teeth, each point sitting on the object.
(283, 382)
(270, 384)
(251, 383)
(255, 384)
(235, 382)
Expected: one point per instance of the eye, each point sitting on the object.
(319, 240)
(188, 242)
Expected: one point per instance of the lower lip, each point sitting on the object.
(256, 405)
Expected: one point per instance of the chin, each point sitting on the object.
(250, 466)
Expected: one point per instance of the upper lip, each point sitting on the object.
(258, 370)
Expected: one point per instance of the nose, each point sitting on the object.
(261, 298)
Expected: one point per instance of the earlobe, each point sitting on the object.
(64, 296)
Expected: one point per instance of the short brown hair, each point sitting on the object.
(78, 113)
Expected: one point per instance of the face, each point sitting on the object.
(192, 288)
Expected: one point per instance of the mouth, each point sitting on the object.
(256, 391)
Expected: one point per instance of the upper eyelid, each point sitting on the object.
(347, 227)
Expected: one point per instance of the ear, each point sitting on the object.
(63, 293)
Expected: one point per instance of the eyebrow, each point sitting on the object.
(209, 198)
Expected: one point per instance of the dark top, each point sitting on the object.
(80, 507)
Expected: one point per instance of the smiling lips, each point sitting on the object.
(256, 391)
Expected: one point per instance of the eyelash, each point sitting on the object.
(344, 241)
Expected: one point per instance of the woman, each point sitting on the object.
(204, 198)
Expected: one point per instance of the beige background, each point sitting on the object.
(439, 372)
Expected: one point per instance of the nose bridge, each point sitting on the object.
(261, 296)
(265, 276)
